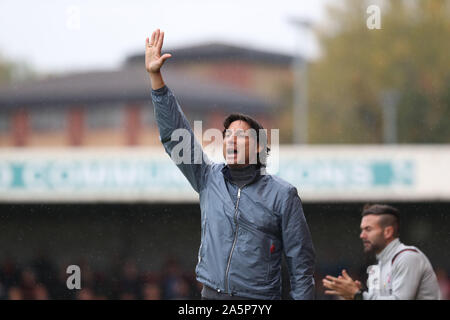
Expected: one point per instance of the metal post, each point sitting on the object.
(300, 112)
(389, 101)
(300, 91)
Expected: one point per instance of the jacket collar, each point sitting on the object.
(258, 174)
(389, 250)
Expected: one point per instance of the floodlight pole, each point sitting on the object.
(300, 90)
(389, 100)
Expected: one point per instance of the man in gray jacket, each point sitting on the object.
(402, 273)
(249, 219)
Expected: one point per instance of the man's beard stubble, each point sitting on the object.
(369, 255)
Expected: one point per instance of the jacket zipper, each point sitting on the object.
(201, 243)
(234, 241)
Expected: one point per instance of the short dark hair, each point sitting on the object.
(255, 125)
(389, 215)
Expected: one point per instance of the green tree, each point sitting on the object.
(409, 54)
(15, 71)
(6, 71)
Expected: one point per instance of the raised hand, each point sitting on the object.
(153, 58)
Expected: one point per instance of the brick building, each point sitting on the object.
(113, 108)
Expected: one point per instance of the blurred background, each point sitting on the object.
(359, 91)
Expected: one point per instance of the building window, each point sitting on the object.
(5, 119)
(147, 116)
(47, 119)
(105, 116)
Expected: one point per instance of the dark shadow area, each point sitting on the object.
(149, 251)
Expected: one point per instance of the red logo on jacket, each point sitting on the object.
(272, 248)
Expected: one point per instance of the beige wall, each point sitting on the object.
(105, 137)
(261, 79)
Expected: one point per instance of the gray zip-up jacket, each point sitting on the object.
(242, 237)
(402, 273)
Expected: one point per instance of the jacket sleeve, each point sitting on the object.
(298, 248)
(178, 139)
(406, 274)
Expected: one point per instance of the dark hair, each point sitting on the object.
(389, 215)
(261, 157)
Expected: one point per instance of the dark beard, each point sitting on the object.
(371, 253)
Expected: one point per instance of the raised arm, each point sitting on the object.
(175, 131)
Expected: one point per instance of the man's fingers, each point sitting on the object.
(166, 56)
(331, 278)
(331, 292)
(154, 39)
(333, 281)
(158, 32)
(329, 284)
(152, 42)
(160, 41)
(345, 274)
(326, 283)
